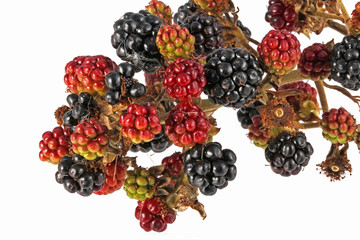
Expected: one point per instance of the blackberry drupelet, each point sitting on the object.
(207, 32)
(77, 176)
(232, 75)
(159, 144)
(243, 28)
(288, 154)
(245, 114)
(209, 167)
(184, 11)
(345, 62)
(134, 40)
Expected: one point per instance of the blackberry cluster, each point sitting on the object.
(243, 28)
(245, 114)
(81, 106)
(159, 144)
(288, 154)
(209, 167)
(134, 40)
(184, 11)
(207, 32)
(233, 76)
(345, 62)
(76, 176)
(123, 78)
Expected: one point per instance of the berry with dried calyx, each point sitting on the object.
(338, 126)
(161, 10)
(54, 145)
(279, 52)
(174, 41)
(139, 184)
(278, 113)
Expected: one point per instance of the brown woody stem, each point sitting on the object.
(293, 76)
(250, 39)
(320, 88)
(345, 15)
(309, 125)
(337, 27)
(326, 15)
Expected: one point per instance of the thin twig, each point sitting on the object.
(337, 27)
(326, 15)
(309, 125)
(321, 91)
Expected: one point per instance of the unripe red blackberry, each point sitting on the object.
(187, 125)
(355, 19)
(174, 163)
(87, 74)
(315, 61)
(54, 145)
(279, 52)
(184, 79)
(338, 126)
(90, 139)
(281, 15)
(140, 123)
(161, 10)
(258, 133)
(174, 41)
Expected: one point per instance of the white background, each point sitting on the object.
(38, 38)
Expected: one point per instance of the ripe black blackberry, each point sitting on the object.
(134, 40)
(159, 144)
(82, 106)
(209, 167)
(233, 75)
(76, 176)
(184, 11)
(245, 114)
(243, 28)
(345, 62)
(123, 77)
(288, 154)
(207, 32)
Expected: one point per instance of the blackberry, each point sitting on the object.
(233, 75)
(123, 79)
(134, 39)
(345, 62)
(281, 15)
(76, 176)
(184, 11)
(81, 105)
(159, 144)
(207, 32)
(209, 167)
(288, 154)
(245, 114)
(243, 28)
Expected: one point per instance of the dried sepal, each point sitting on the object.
(277, 113)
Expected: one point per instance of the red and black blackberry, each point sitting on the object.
(159, 144)
(207, 32)
(174, 163)
(123, 79)
(281, 15)
(134, 39)
(209, 167)
(233, 75)
(184, 11)
(288, 154)
(345, 62)
(245, 114)
(77, 176)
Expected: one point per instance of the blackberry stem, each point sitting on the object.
(309, 125)
(337, 27)
(250, 39)
(293, 76)
(326, 15)
(320, 88)
(345, 15)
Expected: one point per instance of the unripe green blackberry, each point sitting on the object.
(139, 184)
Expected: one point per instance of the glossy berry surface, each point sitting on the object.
(233, 75)
(159, 144)
(160, 9)
(212, 5)
(281, 15)
(139, 184)
(184, 79)
(315, 61)
(140, 123)
(209, 167)
(259, 134)
(207, 32)
(174, 163)
(345, 62)
(87, 74)
(77, 176)
(82, 106)
(288, 154)
(245, 114)
(90, 139)
(115, 173)
(279, 52)
(54, 145)
(338, 126)
(243, 28)
(134, 39)
(355, 16)
(184, 11)
(154, 215)
(174, 41)
(187, 125)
